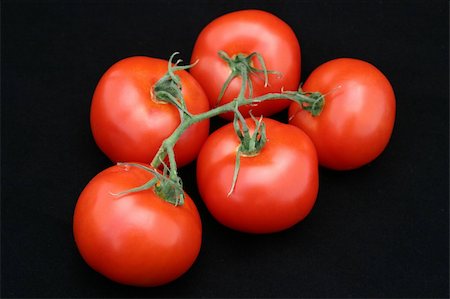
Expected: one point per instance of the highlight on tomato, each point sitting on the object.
(358, 117)
(277, 182)
(134, 109)
(251, 43)
(135, 238)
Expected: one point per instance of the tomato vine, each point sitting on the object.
(168, 89)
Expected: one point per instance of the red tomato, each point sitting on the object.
(129, 123)
(136, 239)
(245, 32)
(275, 189)
(358, 117)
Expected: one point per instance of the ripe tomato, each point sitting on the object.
(358, 117)
(245, 32)
(136, 239)
(129, 123)
(275, 189)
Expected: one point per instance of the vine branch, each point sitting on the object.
(169, 185)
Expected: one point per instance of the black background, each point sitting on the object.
(379, 231)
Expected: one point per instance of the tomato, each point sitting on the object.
(245, 32)
(136, 239)
(275, 188)
(358, 117)
(129, 123)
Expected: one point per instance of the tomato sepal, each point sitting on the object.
(250, 144)
(242, 66)
(167, 187)
(168, 88)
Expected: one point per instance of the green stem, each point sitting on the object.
(299, 97)
(168, 89)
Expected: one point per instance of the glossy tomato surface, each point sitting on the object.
(275, 189)
(129, 123)
(135, 239)
(358, 117)
(245, 32)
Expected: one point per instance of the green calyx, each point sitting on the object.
(250, 144)
(164, 185)
(318, 101)
(168, 89)
(312, 102)
(241, 65)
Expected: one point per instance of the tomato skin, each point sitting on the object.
(136, 239)
(127, 122)
(275, 189)
(245, 32)
(358, 117)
